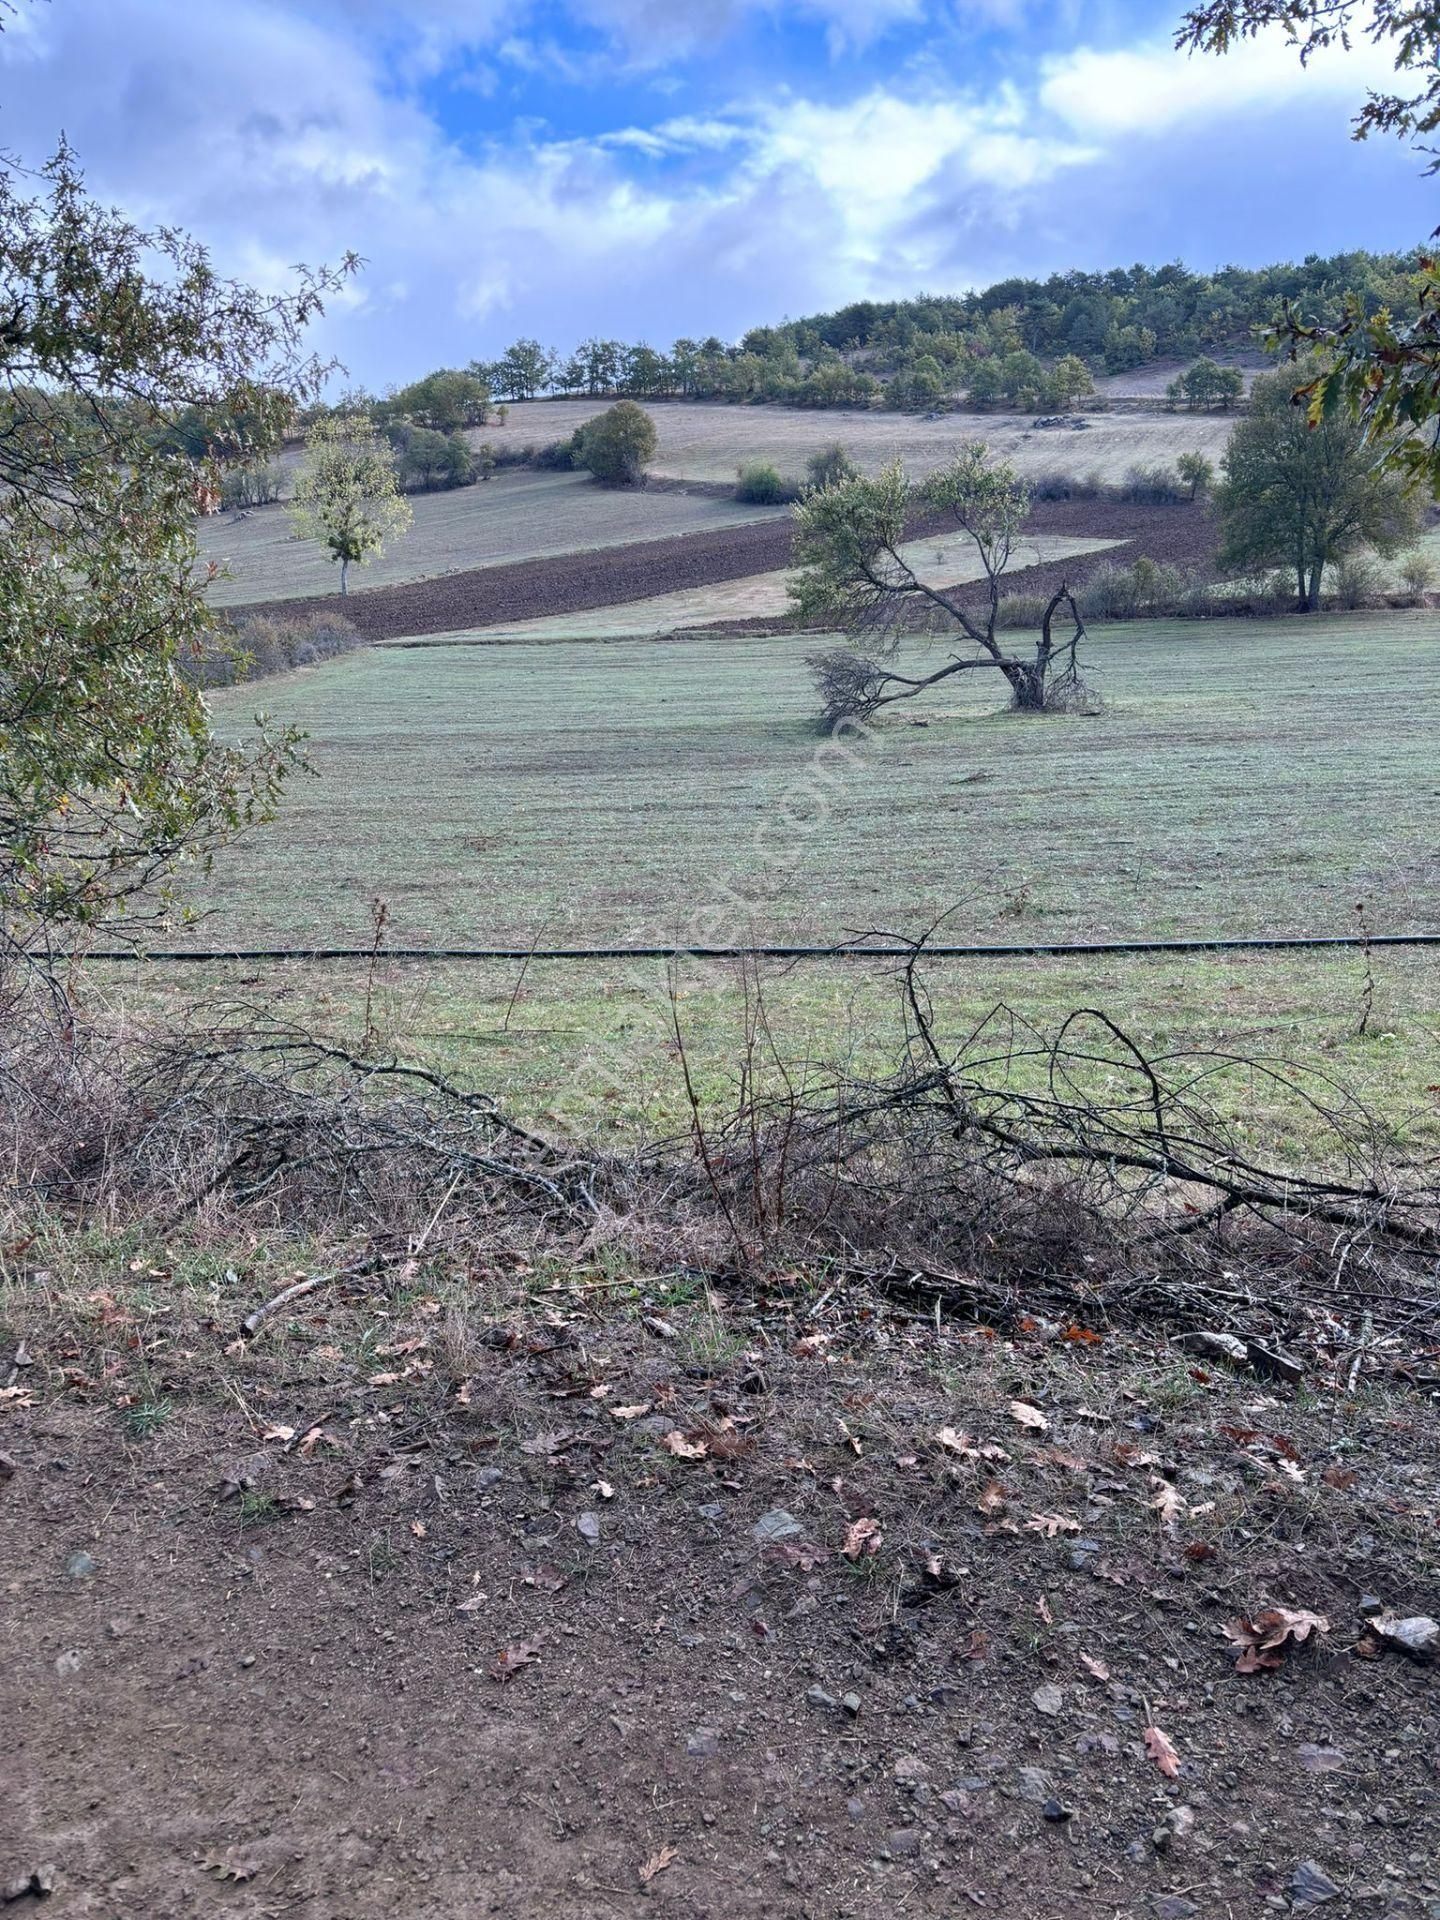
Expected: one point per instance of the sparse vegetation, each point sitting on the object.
(760, 484)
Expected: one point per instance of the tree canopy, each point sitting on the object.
(109, 774)
(347, 493)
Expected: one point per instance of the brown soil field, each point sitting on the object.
(470, 1594)
(500, 596)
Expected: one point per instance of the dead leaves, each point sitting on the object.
(1095, 1668)
(512, 1660)
(862, 1538)
(1161, 1750)
(1051, 1524)
(1025, 1415)
(657, 1863)
(546, 1445)
(636, 1412)
(1263, 1641)
(676, 1443)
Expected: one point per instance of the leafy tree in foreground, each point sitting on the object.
(849, 540)
(1301, 496)
(618, 444)
(347, 493)
(110, 777)
(1385, 369)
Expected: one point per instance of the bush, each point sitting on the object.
(430, 460)
(617, 445)
(557, 456)
(759, 484)
(1021, 609)
(828, 466)
(1152, 487)
(1146, 589)
(1067, 486)
(245, 487)
(1417, 573)
(252, 649)
(1355, 582)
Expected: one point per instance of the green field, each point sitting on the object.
(516, 516)
(1247, 776)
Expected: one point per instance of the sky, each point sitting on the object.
(654, 168)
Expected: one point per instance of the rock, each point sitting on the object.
(903, 1841)
(776, 1525)
(818, 1697)
(1311, 1886)
(486, 1478)
(703, 1743)
(1049, 1698)
(1083, 1555)
(1370, 1603)
(1418, 1635)
(1172, 1906)
(587, 1525)
(1321, 1759)
(1216, 1346)
(1055, 1811)
(712, 1510)
(909, 1770)
(69, 1663)
(1036, 1785)
(41, 1881)
(851, 1703)
(79, 1566)
(7, 1468)
(1274, 1364)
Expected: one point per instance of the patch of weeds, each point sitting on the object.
(146, 1417)
(258, 1508)
(380, 1559)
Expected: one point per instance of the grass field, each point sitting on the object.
(708, 440)
(516, 516)
(943, 560)
(565, 790)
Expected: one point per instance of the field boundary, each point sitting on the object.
(843, 950)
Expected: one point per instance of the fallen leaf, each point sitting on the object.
(861, 1538)
(1042, 1607)
(1167, 1503)
(1051, 1523)
(473, 1603)
(657, 1863)
(417, 1527)
(547, 1444)
(1263, 1639)
(1028, 1416)
(1162, 1752)
(1094, 1667)
(314, 1438)
(383, 1379)
(630, 1413)
(603, 1488)
(510, 1660)
(992, 1500)
(1341, 1477)
(545, 1577)
(953, 1442)
(683, 1449)
(283, 1434)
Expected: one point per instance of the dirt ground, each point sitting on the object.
(502, 596)
(649, 1598)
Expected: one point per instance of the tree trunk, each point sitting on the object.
(1312, 592)
(344, 570)
(1027, 684)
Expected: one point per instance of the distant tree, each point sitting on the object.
(618, 444)
(827, 466)
(485, 462)
(427, 459)
(1070, 380)
(110, 776)
(347, 493)
(758, 483)
(444, 401)
(1196, 473)
(1301, 496)
(604, 364)
(523, 370)
(852, 571)
(646, 371)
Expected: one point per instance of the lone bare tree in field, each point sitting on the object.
(849, 540)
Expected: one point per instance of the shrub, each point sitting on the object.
(250, 487)
(266, 643)
(558, 456)
(1355, 582)
(760, 484)
(618, 444)
(1417, 573)
(1021, 609)
(1145, 589)
(430, 460)
(1151, 486)
(828, 466)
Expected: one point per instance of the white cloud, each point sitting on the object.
(1142, 89)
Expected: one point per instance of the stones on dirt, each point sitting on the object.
(703, 1743)
(902, 1842)
(818, 1697)
(80, 1565)
(1311, 1886)
(775, 1526)
(40, 1881)
(1417, 1635)
(712, 1510)
(1316, 1759)
(1214, 1345)
(69, 1663)
(7, 1468)
(1083, 1555)
(587, 1525)
(1049, 1699)
(851, 1703)
(1172, 1906)
(486, 1478)
(1274, 1364)
(1056, 1811)
(1036, 1785)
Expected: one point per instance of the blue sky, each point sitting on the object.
(648, 168)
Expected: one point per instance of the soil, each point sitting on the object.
(417, 1602)
(501, 596)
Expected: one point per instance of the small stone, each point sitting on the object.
(818, 1697)
(1049, 1698)
(1370, 1603)
(79, 1566)
(587, 1525)
(1172, 1906)
(851, 1703)
(1035, 1785)
(486, 1478)
(855, 1809)
(69, 1662)
(776, 1525)
(909, 1769)
(247, 1659)
(7, 1468)
(1311, 1886)
(1055, 1810)
(703, 1743)
(712, 1510)
(1218, 1346)
(903, 1841)
(1419, 1635)
(1321, 1759)
(1273, 1363)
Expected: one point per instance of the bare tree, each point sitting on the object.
(854, 571)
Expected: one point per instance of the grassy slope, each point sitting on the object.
(516, 516)
(600, 791)
(708, 440)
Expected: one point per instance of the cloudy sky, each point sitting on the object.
(649, 168)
